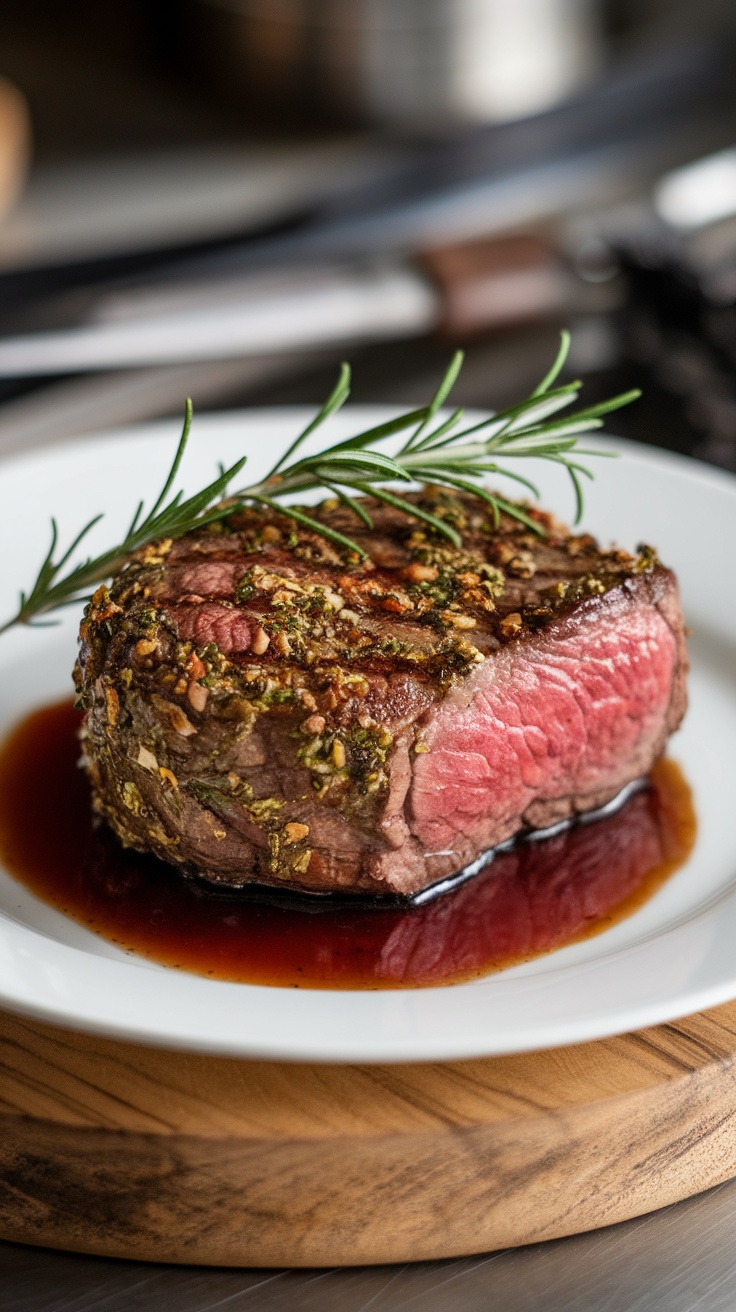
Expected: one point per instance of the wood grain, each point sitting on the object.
(110, 1148)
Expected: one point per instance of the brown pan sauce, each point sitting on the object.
(530, 900)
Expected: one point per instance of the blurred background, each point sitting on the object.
(227, 197)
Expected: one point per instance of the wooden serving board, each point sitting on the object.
(114, 1149)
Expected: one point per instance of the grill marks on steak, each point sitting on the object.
(261, 707)
(204, 622)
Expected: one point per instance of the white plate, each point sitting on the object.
(674, 956)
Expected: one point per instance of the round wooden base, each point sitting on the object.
(114, 1149)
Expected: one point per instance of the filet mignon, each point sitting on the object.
(261, 706)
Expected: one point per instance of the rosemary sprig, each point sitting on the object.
(54, 589)
(445, 455)
(442, 454)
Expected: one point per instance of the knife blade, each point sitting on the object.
(461, 289)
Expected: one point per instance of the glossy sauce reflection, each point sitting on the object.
(532, 899)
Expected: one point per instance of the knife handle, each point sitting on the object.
(494, 283)
(15, 143)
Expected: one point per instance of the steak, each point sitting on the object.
(263, 706)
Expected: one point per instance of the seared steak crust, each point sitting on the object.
(261, 706)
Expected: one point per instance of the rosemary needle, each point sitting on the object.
(442, 453)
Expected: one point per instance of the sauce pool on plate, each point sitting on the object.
(534, 898)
